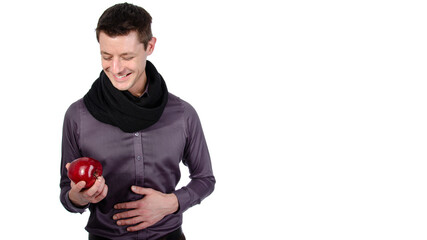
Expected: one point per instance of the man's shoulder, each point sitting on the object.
(185, 106)
(74, 109)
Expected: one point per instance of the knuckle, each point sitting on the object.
(133, 221)
(87, 196)
(98, 191)
(140, 204)
(148, 190)
(140, 212)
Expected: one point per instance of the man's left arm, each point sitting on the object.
(155, 205)
(196, 157)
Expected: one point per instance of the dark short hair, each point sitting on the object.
(121, 19)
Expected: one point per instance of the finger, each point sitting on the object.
(130, 221)
(78, 186)
(96, 188)
(139, 227)
(102, 195)
(101, 186)
(141, 191)
(127, 214)
(67, 166)
(127, 205)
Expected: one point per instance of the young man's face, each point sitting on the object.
(124, 59)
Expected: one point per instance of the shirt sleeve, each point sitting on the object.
(196, 157)
(70, 151)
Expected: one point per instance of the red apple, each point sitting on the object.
(85, 169)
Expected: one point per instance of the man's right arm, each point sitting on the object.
(70, 151)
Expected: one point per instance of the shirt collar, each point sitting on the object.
(145, 93)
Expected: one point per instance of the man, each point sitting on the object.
(139, 132)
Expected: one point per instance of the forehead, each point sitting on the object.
(120, 44)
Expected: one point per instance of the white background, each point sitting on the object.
(314, 112)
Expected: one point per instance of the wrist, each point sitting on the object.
(173, 203)
(75, 201)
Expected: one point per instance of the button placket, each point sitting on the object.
(139, 163)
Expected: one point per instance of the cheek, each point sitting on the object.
(105, 65)
(139, 66)
(131, 66)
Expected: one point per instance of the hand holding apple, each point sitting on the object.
(85, 169)
(79, 195)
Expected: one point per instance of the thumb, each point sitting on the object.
(79, 186)
(141, 191)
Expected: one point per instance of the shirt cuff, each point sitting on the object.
(183, 200)
(74, 208)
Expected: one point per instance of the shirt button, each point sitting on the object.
(136, 134)
(138, 158)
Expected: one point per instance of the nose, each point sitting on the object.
(117, 66)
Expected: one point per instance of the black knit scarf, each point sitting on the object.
(121, 109)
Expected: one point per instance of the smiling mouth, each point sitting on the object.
(122, 77)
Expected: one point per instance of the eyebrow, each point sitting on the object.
(123, 54)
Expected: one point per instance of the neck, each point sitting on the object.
(140, 85)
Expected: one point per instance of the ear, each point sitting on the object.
(150, 45)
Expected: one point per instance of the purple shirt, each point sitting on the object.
(149, 158)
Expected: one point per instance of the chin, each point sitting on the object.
(121, 86)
